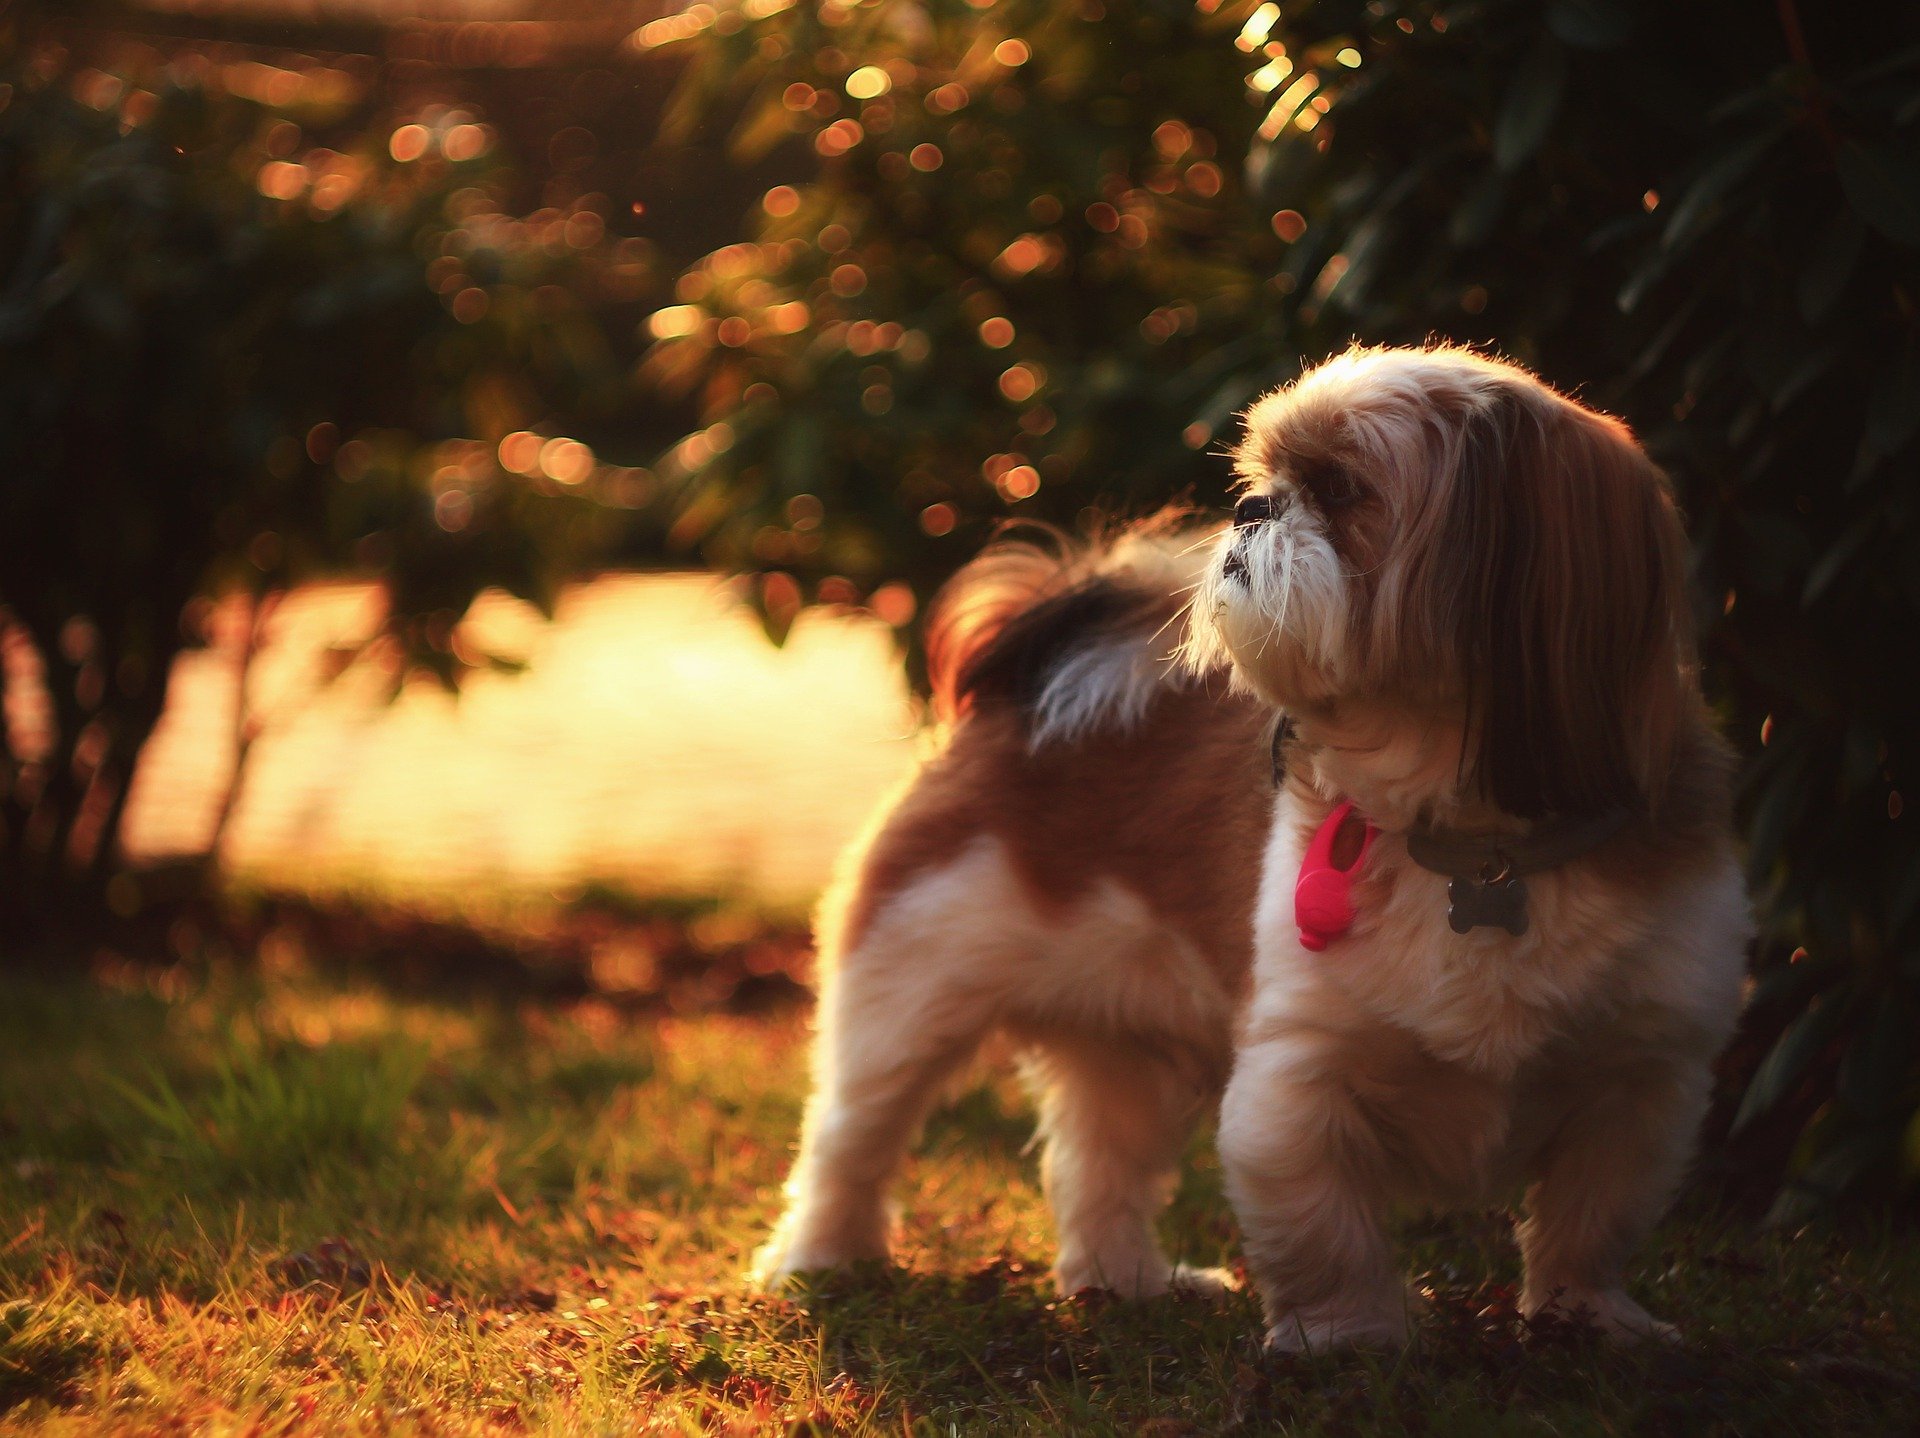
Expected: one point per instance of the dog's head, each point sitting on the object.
(1435, 539)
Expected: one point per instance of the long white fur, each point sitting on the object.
(1290, 598)
(1108, 684)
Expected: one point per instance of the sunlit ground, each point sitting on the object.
(655, 741)
(280, 1196)
(285, 1204)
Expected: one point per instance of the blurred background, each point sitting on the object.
(469, 469)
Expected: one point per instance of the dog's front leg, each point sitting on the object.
(1304, 1172)
(1602, 1182)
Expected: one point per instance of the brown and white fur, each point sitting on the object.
(1466, 591)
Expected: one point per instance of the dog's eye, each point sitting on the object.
(1331, 486)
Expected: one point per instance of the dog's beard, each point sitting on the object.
(1273, 605)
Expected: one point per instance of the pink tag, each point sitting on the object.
(1323, 895)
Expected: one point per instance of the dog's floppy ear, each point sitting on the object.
(1571, 627)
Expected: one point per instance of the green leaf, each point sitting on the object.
(1795, 381)
(1828, 1176)
(1784, 1066)
(1880, 1063)
(1894, 411)
(1883, 188)
(1903, 903)
(1532, 101)
(1798, 981)
(1697, 205)
(1479, 211)
(1836, 559)
(1591, 24)
(1829, 266)
(1640, 281)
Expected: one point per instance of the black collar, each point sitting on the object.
(1545, 845)
(1459, 855)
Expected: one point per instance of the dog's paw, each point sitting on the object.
(1301, 1332)
(787, 1256)
(1131, 1283)
(1209, 1283)
(1609, 1310)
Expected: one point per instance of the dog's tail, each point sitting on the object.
(1075, 636)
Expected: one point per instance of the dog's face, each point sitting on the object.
(1438, 538)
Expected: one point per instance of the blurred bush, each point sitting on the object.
(236, 356)
(1053, 246)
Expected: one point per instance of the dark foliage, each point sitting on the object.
(244, 341)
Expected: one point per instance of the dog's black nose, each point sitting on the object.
(1253, 509)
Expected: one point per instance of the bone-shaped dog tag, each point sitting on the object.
(1487, 903)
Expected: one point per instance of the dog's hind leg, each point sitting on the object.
(900, 1011)
(1115, 1119)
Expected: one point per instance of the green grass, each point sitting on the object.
(237, 1205)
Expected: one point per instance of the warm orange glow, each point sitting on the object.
(466, 142)
(634, 749)
(1271, 75)
(669, 29)
(996, 333)
(945, 99)
(869, 82)
(281, 180)
(674, 322)
(1020, 482)
(1259, 25)
(1290, 101)
(789, 318)
(1022, 381)
(566, 460)
(409, 142)
(520, 452)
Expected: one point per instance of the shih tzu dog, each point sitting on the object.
(1487, 935)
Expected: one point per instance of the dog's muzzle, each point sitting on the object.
(1254, 509)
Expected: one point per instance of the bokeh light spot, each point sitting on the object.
(470, 305)
(409, 142)
(566, 460)
(1289, 225)
(674, 322)
(466, 142)
(453, 510)
(520, 452)
(869, 82)
(894, 603)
